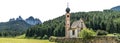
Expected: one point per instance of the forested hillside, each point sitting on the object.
(13, 28)
(107, 20)
(17, 26)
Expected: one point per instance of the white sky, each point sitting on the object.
(49, 9)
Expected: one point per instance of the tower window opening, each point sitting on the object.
(67, 24)
(67, 15)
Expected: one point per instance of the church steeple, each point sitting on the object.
(67, 22)
(67, 9)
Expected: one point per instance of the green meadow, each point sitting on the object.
(22, 39)
(15, 40)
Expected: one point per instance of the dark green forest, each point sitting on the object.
(13, 28)
(107, 20)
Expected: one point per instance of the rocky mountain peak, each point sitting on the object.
(116, 8)
(33, 21)
(12, 19)
(19, 18)
(30, 20)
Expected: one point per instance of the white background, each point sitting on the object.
(49, 9)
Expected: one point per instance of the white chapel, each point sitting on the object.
(72, 31)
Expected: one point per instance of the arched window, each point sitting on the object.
(67, 15)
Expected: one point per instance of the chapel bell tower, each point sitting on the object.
(67, 22)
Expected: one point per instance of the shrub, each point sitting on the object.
(52, 39)
(117, 35)
(45, 37)
(86, 33)
(101, 32)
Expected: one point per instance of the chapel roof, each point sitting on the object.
(78, 24)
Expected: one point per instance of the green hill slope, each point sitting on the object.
(13, 28)
(107, 20)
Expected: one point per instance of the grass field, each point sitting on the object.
(15, 40)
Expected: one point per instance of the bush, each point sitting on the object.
(86, 33)
(117, 35)
(101, 32)
(45, 37)
(52, 39)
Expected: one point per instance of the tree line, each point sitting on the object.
(107, 20)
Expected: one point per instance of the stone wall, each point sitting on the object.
(97, 39)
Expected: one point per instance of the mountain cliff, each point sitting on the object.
(116, 8)
(33, 21)
(17, 26)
